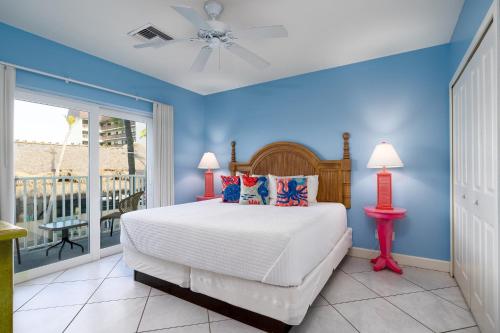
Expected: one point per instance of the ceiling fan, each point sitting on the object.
(217, 34)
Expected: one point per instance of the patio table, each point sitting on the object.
(64, 226)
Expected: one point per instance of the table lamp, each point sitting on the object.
(384, 156)
(209, 162)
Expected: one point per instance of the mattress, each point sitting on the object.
(269, 244)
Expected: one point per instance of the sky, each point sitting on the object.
(44, 123)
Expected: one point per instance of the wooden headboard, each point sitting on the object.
(289, 158)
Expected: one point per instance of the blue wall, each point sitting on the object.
(402, 98)
(468, 23)
(25, 49)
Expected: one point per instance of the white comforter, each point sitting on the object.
(274, 245)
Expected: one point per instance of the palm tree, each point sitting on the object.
(71, 119)
(130, 147)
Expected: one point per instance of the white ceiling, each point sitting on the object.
(322, 34)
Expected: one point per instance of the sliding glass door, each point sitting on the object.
(51, 182)
(78, 167)
(123, 156)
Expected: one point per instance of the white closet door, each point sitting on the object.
(461, 184)
(475, 182)
(484, 223)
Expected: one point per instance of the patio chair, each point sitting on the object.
(18, 251)
(126, 205)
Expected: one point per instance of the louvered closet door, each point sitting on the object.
(475, 157)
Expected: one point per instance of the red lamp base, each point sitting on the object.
(209, 184)
(384, 190)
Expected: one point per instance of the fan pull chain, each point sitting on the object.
(219, 58)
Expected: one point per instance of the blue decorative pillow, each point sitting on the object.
(230, 188)
(291, 191)
(254, 190)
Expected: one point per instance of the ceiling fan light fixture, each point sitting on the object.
(213, 8)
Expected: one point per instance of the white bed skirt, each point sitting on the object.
(287, 304)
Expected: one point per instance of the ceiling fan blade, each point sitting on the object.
(192, 16)
(272, 31)
(158, 42)
(248, 56)
(201, 59)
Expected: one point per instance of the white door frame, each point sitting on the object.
(94, 111)
(491, 17)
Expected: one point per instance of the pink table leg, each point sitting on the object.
(384, 230)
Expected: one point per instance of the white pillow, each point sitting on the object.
(312, 188)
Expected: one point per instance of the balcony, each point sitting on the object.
(40, 200)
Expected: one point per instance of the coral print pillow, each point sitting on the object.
(254, 190)
(230, 188)
(291, 191)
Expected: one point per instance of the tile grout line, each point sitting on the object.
(402, 276)
(356, 300)
(144, 309)
(418, 321)
(50, 307)
(116, 300)
(370, 298)
(384, 297)
(447, 300)
(458, 329)
(431, 289)
(411, 292)
(86, 302)
(208, 317)
(169, 328)
(45, 286)
(420, 286)
(333, 307)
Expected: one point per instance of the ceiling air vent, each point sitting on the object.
(148, 32)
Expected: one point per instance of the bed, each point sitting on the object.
(261, 265)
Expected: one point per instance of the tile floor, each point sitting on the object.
(103, 297)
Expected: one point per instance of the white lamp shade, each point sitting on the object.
(384, 156)
(208, 161)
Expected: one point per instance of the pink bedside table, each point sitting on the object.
(203, 198)
(385, 228)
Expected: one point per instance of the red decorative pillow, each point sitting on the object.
(291, 191)
(230, 188)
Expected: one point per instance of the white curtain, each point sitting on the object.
(7, 87)
(163, 145)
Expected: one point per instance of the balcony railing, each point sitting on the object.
(42, 200)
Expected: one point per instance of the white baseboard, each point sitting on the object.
(403, 259)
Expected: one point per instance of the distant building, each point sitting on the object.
(85, 131)
(112, 132)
